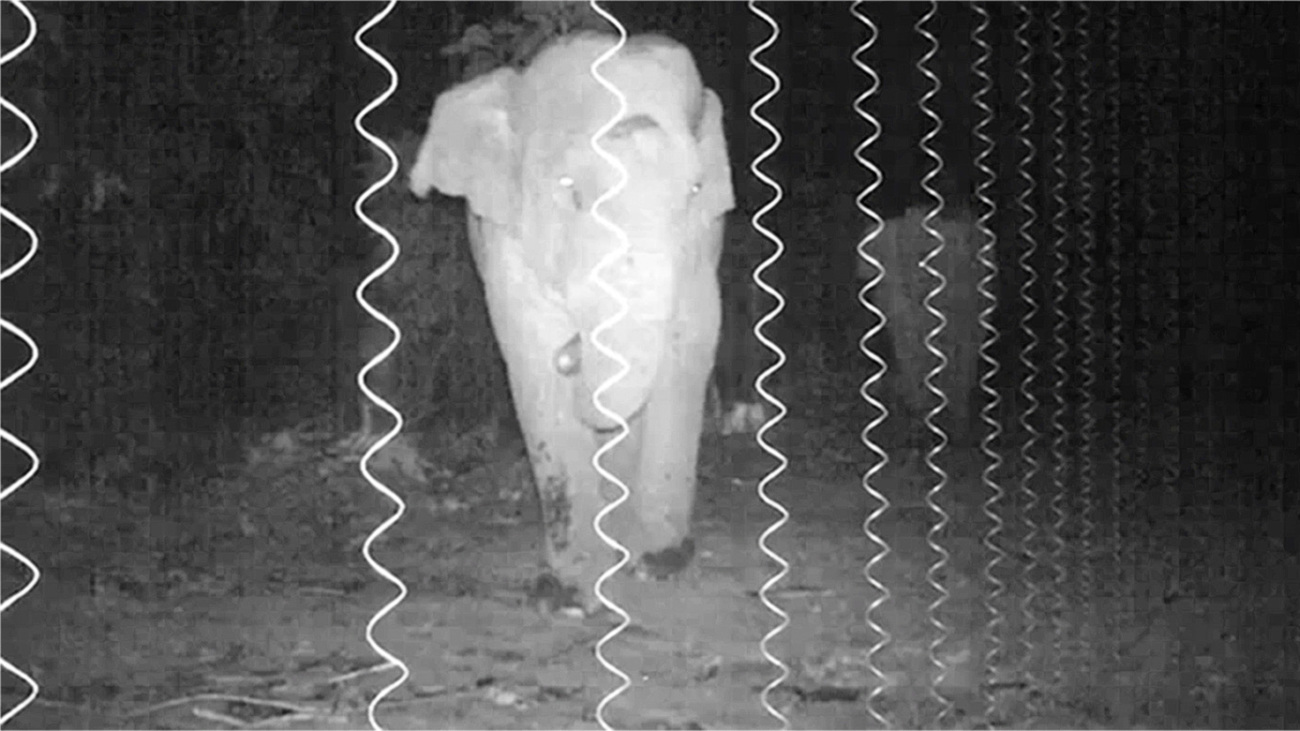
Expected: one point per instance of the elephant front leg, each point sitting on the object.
(664, 495)
(559, 449)
(571, 548)
(568, 492)
(656, 460)
(669, 440)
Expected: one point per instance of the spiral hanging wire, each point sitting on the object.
(941, 282)
(1161, 316)
(1029, 497)
(1088, 327)
(610, 258)
(1120, 424)
(33, 688)
(1145, 350)
(395, 253)
(1171, 421)
(1217, 227)
(1060, 460)
(1204, 113)
(1149, 175)
(759, 383)
(859, 154)
(1179, 236)
(997, 622)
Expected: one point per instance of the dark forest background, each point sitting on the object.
(197, 166)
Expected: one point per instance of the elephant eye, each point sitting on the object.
(571, 185)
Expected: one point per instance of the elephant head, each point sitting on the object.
(517, 146)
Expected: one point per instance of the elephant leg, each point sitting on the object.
(569, 496)
(733, 369)
(673, 421)
(738, 361)
(665, 496)
(624, 461)
(535, 338)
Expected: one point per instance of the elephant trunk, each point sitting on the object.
(648, 284)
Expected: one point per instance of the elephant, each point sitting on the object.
(901, 294)
(516, 145)
(737, 408)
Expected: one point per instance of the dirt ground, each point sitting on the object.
(251, 608)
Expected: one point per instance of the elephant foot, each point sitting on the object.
(743, 418)
(550, 596)
(665, 564)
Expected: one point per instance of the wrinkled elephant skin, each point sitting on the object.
(516, 145)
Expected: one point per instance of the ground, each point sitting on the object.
(252, 607)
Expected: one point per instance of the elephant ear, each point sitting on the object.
(470, 148)
(716, 196)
